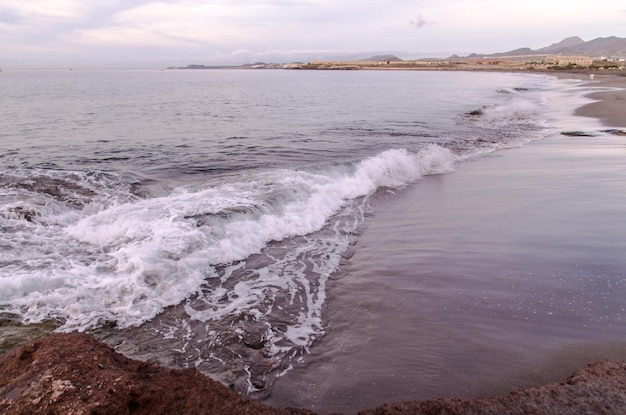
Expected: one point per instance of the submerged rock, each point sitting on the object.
(578, 134)
(75, 373)
(615, 132)
(14, 334)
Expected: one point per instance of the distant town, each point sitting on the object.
(570, 54)
(513, 63)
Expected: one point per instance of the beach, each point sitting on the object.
(609, 107)
(529, 236)
(454, 279)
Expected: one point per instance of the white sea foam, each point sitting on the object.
(519, 119)
(125, 259)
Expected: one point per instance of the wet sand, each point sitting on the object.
(505, 274)
(610, 106)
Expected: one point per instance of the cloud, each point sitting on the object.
(418, 22)
(10, 17)
(42, 10)
(277, 30)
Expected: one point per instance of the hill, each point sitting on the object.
(603, 46)
(381, 58)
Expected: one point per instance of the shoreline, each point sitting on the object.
(611, 109)
(408, 325)
(434, 327)
(75, 373)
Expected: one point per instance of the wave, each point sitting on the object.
(222, 275)
(123, 259)
(513, 123)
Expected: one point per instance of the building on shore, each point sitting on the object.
(559, 60)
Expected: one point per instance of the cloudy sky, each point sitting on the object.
(153, 33)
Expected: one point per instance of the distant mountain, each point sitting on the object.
(515, 52)
(602, 46)
(568, 42)
(382, 58)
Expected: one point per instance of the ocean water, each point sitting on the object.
(200, 218)
(506, 274)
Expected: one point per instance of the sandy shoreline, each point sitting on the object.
(441, 298)
(447, 304)
(610, 107)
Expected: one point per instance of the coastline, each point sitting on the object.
(548, 209)
(74, 373)
(611, 109)
(609, 106)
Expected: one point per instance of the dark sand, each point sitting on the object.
(610, 106)
(508, 273)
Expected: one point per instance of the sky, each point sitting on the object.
(153, 33)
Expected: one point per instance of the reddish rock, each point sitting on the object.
(597, 389)
(76, 374)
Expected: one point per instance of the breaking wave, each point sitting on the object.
(122, 258)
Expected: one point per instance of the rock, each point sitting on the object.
(76, 374)
(578, 134)
(615, 132)
(597, 389)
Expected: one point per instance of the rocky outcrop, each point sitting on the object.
(76, 374)
(597, 389)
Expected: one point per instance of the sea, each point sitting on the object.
(206, 218)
